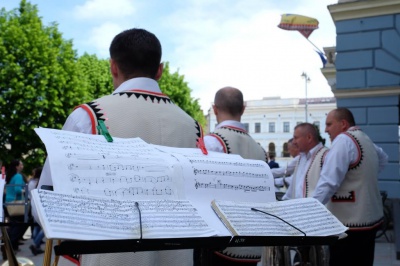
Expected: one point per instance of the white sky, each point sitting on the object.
(213, 43)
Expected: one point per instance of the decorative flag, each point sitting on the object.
(323, 58)
(305, 25)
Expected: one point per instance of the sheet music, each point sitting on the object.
(133, 169)
(66, 216)
(307, 214)
(84, 164)
(222, 176)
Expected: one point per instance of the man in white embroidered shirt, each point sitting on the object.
(348, 185)
(136, 108)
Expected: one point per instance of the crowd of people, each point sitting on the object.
(343, 177)
(18, 214)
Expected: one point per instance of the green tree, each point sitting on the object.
(95, 73)
(39, 82)
(173, 85)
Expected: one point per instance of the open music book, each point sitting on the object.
(299, 217)
(100, 186)
(65, 216)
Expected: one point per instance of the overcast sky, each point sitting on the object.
(213, 43)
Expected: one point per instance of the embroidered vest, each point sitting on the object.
(357, 203)
(312, 174)
(237, 141)
(151, 116)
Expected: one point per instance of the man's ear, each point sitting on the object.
(159, 71)
(345, 125)
(114, 69)
(215, 110)
(244, 107)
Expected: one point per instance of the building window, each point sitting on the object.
(257, 128)
(298, 123)
(285, 152)
(246, 126)
(271, 127)
(286, 127)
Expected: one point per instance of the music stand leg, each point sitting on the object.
(47, 252)
(11, 258)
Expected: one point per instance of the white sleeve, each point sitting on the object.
(340, 156)
(383, 157)
(78, 121)
(213, 144)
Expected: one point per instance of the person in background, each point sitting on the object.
(37, 231)
(15, 185)
(312, 152)
(283, 176)
(272, 164)
(348, 186)
(230, 136)
(136, 108)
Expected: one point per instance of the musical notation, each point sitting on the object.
(220, 185)
(119, 179)
(91, 218)
(229, 173)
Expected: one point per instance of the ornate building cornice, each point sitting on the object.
(367, 92)
(360, 9)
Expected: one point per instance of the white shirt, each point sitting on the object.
(285, 171)
(305, 160)
(341, 155)
(79, 119)
(212, 143)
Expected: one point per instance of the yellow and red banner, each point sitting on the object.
(305, 25)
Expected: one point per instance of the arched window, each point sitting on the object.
(271, 148)
(285, 150)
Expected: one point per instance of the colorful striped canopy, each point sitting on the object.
(305, 25)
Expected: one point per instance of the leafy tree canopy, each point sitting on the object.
(173, 85)
(42, 79)
(39, 82)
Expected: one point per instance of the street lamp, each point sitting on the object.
(307, 79)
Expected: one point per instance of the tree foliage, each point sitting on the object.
(42, 79)
(173, 85)
(39, 81)
(95, 74)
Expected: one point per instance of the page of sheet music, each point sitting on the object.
(85, 164)
(223, 177)
(82, 217)
(307, 214)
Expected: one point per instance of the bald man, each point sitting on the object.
(348, 185)
(230, 136)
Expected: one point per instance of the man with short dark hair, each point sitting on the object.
(136, 108)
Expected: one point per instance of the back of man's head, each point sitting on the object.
(342, 113)
(230, 101)
(137, 53)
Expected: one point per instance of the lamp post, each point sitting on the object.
(307, 79)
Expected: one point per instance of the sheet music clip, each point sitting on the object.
(104, 131)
